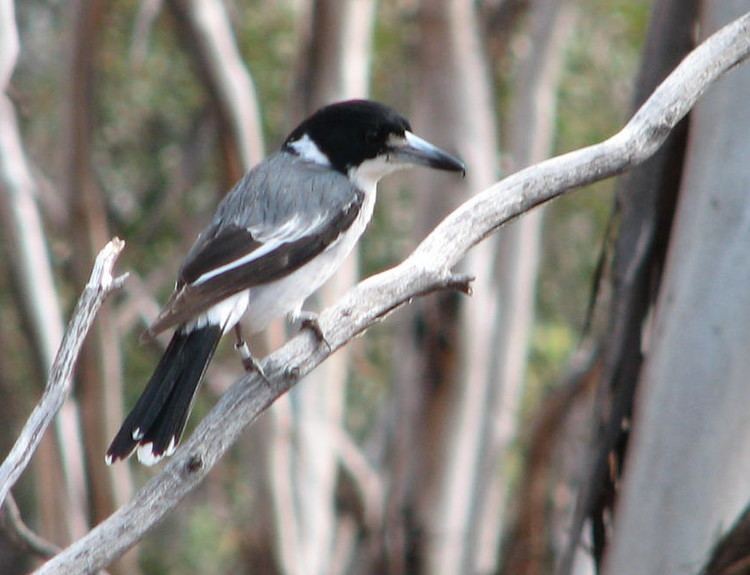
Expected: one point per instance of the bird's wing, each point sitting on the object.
(262, 232)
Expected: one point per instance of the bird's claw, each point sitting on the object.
(248, 361)
(251, 365)
(309, 320)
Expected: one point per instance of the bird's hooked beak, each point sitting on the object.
(411, 149)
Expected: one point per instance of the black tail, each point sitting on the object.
(158, 418)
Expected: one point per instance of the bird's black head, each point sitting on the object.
(357, 133)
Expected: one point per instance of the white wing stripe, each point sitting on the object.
(286, 230)
(234, 264)
(289, 231)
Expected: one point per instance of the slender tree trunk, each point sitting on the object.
(531, 135)
(479, 418)
(552, 466)
(687, 470)
(335, 66)
(207, 33)
(63, 514)
(645, 200)
(454, 87)
(205, 29)
(99, 373)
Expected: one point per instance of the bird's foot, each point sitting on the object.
(248, 361)
(309, 320)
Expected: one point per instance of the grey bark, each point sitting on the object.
(335, 66)
(455, 87)
(27, 252)
(226, 74)
(99, 373)
(686, 475)
(58, 384)
(10, 517)
(645, 203)
(531, 135)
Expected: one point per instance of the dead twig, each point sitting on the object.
(100, 284)
(14, 524)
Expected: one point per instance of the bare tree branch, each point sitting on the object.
(58, 383)
(427, 269)
(10, 516)
(26, 247)
(227, 75)
(20, 218)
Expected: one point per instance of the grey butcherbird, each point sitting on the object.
(275, 238)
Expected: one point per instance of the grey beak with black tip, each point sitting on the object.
(411, 149)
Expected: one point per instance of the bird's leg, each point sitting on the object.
(309, 320)
(248, 361)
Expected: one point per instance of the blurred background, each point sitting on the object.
(454, 436)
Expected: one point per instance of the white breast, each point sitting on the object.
(288, 294)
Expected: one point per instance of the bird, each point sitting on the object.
(275, 238)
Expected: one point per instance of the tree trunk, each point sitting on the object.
(455, 109)
(645, 200)
(335, 66)
(63, 516)
(99, 374)
(532, 130)
(207, 33)
(686, 473)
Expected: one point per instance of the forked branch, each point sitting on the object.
(60, 376)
